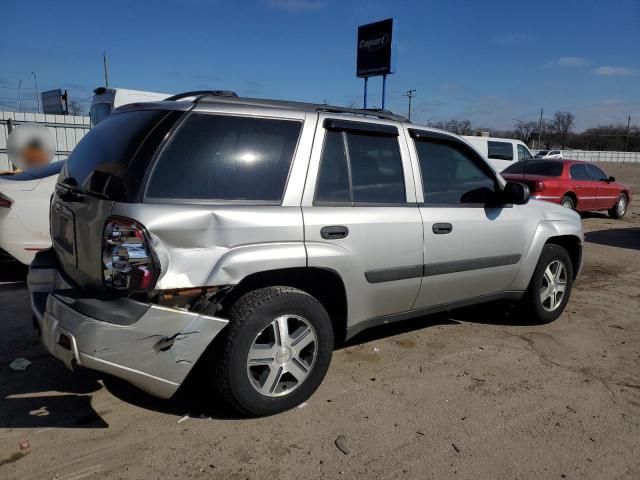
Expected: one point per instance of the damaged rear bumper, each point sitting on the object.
(154, 347)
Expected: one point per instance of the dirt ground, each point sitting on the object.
(471, 394)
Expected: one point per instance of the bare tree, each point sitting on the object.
(77, 109)
(562, 123)
(460, 127)
(525, 130)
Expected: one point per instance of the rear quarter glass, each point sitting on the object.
(213, 157)
(102, 159)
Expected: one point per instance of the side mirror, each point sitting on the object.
(516, 193)
(611, 179)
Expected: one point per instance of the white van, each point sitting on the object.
(106, 99)
(501, 152)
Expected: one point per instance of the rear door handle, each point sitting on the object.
(441, 228)
(334, 232)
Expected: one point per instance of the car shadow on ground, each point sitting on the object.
(47, 395)
(616, 237)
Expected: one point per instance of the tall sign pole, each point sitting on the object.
(374, 54)
(104, 65)
(540, 128)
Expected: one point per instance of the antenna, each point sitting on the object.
(106, 72)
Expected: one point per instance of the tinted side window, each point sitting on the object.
(523, 153)
(549, 168)
(596, 173)
(333, 176)
(376, 168)
(579, 172)
(500, 150)
(216, 157)
(360, 167)
(450, 175)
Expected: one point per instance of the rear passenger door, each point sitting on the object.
(471, 249)
(360, 216)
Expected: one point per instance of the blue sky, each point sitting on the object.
(488, 61)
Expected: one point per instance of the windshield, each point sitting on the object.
(99, 111)
(108, 149)
(545, 168)
(35, 173)
(542, 153)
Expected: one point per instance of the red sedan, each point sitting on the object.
(582, 186)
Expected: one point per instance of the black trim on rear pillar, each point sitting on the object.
(440, 268)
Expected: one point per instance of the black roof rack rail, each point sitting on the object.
(313, 107)
(202, 93)
(371, 112)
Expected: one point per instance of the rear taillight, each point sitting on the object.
(537, 186)
(128, 261)
(5, 202)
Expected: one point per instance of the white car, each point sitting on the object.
(549, 154)
(500, 152)
(24, 211)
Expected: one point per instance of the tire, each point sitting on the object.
(539, 310)
(289, 372)
(620, 208)
(568, 202)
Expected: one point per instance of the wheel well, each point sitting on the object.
(626, 193)
(573, 246)
(573, 197)
(323, 284)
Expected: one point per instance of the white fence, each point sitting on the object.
(67, 131)
(603, 156)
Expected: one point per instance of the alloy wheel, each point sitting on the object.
(621, 207)
(554, 285)
(282, 355)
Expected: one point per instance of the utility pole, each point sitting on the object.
(540, 128)
(19, 96)
(35, 79)
(104, 65)
(626, 143)
(410, 94)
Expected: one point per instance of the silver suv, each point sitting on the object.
(250, 235)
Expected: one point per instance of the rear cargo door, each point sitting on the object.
(94, 177)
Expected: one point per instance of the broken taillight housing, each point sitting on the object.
(128, 260)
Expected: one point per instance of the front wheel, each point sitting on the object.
(620, 208)
(276, 352)
(550, 286)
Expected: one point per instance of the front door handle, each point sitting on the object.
(334, 232)
(441, 228)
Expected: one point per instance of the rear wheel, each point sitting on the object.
(620, 208)
(550, 286)
(568, 202)
(276, 351)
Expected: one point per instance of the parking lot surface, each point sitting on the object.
(469, 394)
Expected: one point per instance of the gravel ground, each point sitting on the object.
(471, 394)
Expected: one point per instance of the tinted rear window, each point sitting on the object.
(217, 157)
(546, 168)
(500, 150)
(108, 148)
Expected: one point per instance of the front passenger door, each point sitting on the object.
(471, 249)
